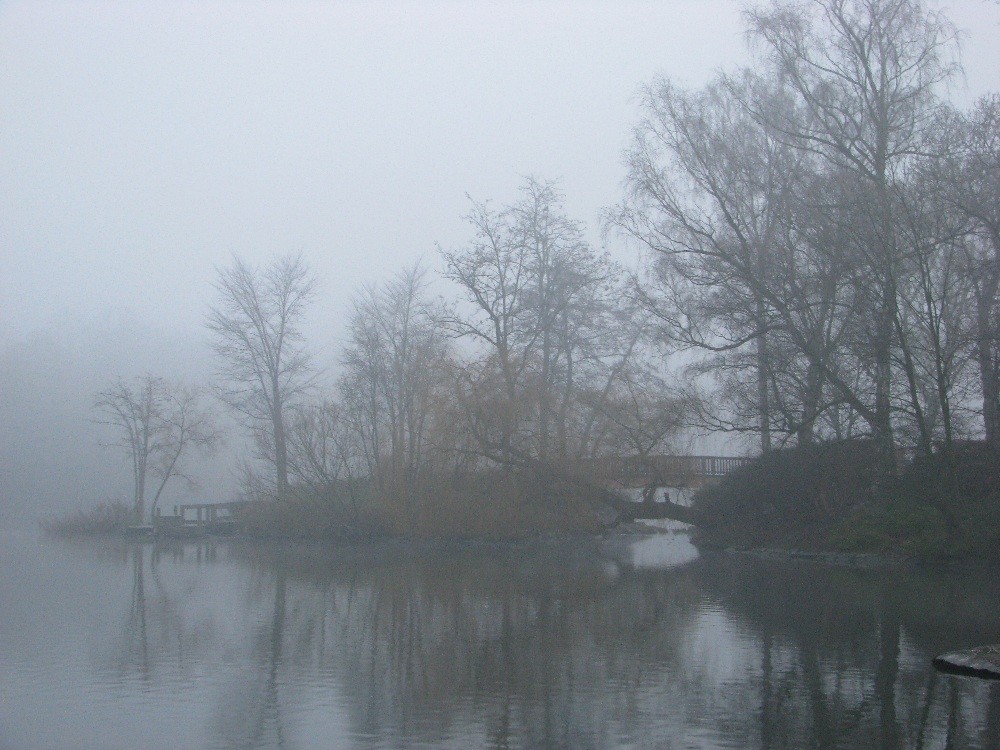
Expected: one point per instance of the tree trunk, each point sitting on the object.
(545, 395)
(882, 428)
(140, 482)
(763, 401)
(910, 369)
(989, 364)
(280, 449)
(810, 404)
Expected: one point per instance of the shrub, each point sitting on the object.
(492, 505)
(106, 518)
(789, 497)
(498, 505)
(942, 506)
(343, 512)
(947, 504)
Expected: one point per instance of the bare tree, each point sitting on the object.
(492, 273)
(157, 424)
(316, 453)
(968, 179)
(776, 206)
(549, 313)
(863, 75)
(642, 417)
(565, 307)
(323, 454)
(710, 193)
(265, 365)
(394, 375)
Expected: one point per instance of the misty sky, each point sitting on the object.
(142, 144)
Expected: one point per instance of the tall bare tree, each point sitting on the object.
(779, 208)
(394, 373)
(863, 75)
(968, 179)
(550, 316)
(492, 273)
(157, 424)
(265, 365)
(710, 193)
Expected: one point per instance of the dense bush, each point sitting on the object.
(500, 505)
(788, 498)
(107, 518)
(333, 512)
(482, 505)
(946, 505)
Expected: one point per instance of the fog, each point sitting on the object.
(142, 145)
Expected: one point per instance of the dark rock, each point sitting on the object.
(983, 661)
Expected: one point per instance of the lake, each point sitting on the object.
(578, 644)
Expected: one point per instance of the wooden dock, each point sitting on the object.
(198, 519)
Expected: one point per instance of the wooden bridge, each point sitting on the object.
(652, 473)
(658, 471)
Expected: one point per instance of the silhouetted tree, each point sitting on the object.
(157, 423)
(553, 321)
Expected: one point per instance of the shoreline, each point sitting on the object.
(627, 530)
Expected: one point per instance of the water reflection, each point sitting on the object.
(250, 713)
(844, 653)
(242, 646)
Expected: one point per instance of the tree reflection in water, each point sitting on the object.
(135, 638)
(555, 647)
(155, 630)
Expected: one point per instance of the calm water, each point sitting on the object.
(218, 645)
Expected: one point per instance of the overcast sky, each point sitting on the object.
(143, 143)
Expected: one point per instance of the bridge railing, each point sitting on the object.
(718, 466)
(629, 468)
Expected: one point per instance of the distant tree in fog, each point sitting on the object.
(395, 366)
(317, 450)
(552, 322)
(264, 360)
(156, 424)
(967, 179)
(492, 274)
